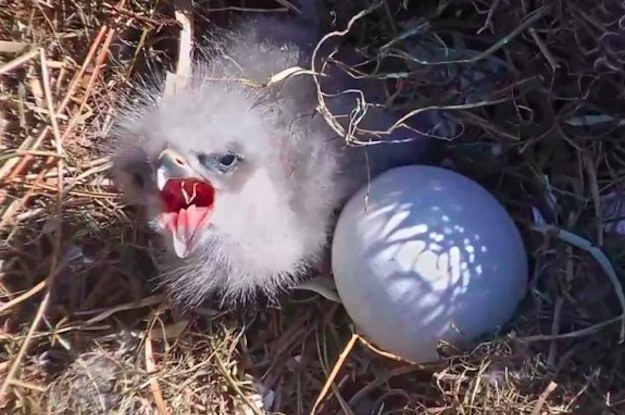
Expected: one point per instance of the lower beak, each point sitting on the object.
(185, 227)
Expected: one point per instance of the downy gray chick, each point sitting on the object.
(244, 183)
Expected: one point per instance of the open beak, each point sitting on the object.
(187, 201)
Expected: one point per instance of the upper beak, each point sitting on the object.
(172, 165)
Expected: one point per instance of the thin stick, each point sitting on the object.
(48, 96)
(335, 370)
(543, 397)
(599, 256)
(22, 297)
(18, 204)
(384, 354)
(233, 384)
(49, 282)
(57, 246)
(76, 79)
(150, 365)
(17, 62)
(25, 162)
(571, 334)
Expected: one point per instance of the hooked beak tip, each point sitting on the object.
(171, 165)
(161, 178)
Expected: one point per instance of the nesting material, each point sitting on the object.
(425, 254)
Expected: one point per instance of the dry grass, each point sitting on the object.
(82, 333)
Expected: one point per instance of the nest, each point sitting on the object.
(533, 91)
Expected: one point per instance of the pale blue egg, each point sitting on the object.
(423, 254)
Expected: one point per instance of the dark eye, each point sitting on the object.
(227, 160)
(221, 162)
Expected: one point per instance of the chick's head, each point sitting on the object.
(237, 179)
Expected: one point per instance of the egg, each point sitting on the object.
(423, 254)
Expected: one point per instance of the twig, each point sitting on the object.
(572, 334)
(488, 23)
(146, 302)
(599, 256)
(543, 49)
(543, 397)
(27, 385)
(55, 126)
(18, 204)
(233, 384)
(56, 265)
(179, 79)
(25, 162)
(596, 195)
(384, 354)
(17, 62)
(150, 366)
(22, 297)
(322, 107)
(335, 370)
(49, 283)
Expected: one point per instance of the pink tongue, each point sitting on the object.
(184, 226)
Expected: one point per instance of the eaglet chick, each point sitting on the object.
(244, 182)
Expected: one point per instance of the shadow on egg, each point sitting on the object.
(439, 260)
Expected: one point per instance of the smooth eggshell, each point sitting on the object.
(423, 253)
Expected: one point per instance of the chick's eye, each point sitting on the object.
(220, 162)
(227, 160)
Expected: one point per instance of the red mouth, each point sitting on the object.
(187, 208)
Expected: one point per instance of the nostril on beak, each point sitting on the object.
(171, 156)
(171, 165)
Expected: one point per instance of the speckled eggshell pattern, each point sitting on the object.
(423, 253)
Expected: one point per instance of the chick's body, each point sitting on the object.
(275, 203)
